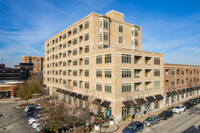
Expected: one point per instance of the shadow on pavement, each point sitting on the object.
(192, 129)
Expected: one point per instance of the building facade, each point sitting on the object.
(99, 60)
(181, 83)
(36, 60)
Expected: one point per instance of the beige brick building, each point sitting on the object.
(181, 82)
(100, 59)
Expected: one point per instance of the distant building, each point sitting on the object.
(36, 60)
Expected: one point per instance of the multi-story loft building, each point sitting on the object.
(36, 60)
(100, 59)
(181, 82)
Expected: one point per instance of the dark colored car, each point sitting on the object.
(32, 112)
(188, 105)
(165, 115)
(133, 127)
(192, 102)
(197, 100)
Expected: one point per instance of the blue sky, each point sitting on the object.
(171, 27)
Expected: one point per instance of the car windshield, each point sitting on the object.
(129, 127)
(177, 107)
(149, 119)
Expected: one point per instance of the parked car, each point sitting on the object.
(193, 102)
(165, 115)
(197, 100)
(29, 107)
(31, 120)
(33, 112)
(178, 109)
(133, 127)
(151, 120)
(187, 105)
(35, 124)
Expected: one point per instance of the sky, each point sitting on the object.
(170, 27)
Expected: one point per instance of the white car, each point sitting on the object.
(35, 125)
(178, 109)
(31, 121)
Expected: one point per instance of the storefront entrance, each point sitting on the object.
(5, 94)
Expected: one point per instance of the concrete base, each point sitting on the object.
(112, 122)
(97, 127)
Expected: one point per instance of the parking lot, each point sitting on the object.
(13, 120)
(186, 122)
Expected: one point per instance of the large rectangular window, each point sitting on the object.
(126, 58)
(86, 48)
(136, 42)
(156, 61)
(172, 82)
(75, 30)
(64, 72)
(74, 41)
(120, 28)
(126, 87)
(105, 36)
(182, 81)
(86, 37)
(99, 86)
(126, 73)
(74, 72)
(108, 73)
(75, 51)
(64, 54)
(64, 45)
(86, 72)
(86, 24)
(74, 83)
(74, 62)
(182, 72)
(105, 24)
(156, 72)
(107, 87)
(108, 58)
(156, 84)
(101, 36)
(86, 60)
(99, 59)
(172, 72)
(98, 73)
(120, 39)
(64, 35)
(64, 63)
(87, 84)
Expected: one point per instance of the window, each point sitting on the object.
(74, 41)
(156, 84)
(182, 72)
(136, 42)
(105, 36)
(101, 23)
(105, 46)
(190, 72)
(64, 63)
(56, 40)
(172, 72)
(99, 59)
(75, 30)
(99, 86)
(64, 54)
(74, 83)
(75, 51)
(64, 35)
(107, 73)
(108, 58)
(126, 73)
(156, 61)
(126, 87)
(98, 73)
(156, 72)
(74, 62)
(107, 87)
(166, 72)
(120, 28)
(64, 81)
(64, 45)
(126, 58)
(86, 72)
(86, 24)
(86, 60)
(100, 36)
(136, 86)
(136, 33)
(190, 80)
(197, 71)
(172, 82)
(120, 39)
(87, 49)
(105, 24)
(74, 72)
(86, 84)
(64, 72)
(86, 37)
(182, 81)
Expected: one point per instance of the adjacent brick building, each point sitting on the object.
(36, 60)
(100, 59)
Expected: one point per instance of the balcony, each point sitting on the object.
(148, 60)
(137, 73)
(137, 59)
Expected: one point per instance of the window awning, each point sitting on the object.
(180, 91)
(106, 104)
(129, 103)
(184, 90)
(169, 94)
(73, 94)
(150, 99)
(189, 90)
(97, 101)
(174, 92)
(67, 92)
(85, 98)
(140, 101)
(159, 97)
(79, 96)
(63, 91)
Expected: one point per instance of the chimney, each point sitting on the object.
(115, 15)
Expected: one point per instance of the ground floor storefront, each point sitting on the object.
(6, 91)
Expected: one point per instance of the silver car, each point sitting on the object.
(151, 120)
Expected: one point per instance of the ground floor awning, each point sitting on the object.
(150, 99)
(169, 94)
(96, 101)
(192, 89)
(180, 91)
(73, 94)
(67, 92)
(189, 90)
(129, 103)
(174, 92)
(140, 101)
(159, 97)
(184, 90)
(85, 97)
(79, 96)
(106, 104)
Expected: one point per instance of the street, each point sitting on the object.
(13, 120)
(186, 122)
